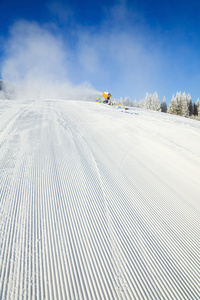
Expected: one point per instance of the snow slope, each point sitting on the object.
(98, 203)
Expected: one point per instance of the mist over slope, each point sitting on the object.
(36, 65)
(97, 202)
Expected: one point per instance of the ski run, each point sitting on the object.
(98, 203)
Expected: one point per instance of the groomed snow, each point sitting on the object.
(98, 203)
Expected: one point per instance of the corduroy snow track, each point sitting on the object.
(98, 203)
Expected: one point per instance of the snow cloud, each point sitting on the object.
(66, 59)
(37, 64)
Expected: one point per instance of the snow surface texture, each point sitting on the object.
(97, 202)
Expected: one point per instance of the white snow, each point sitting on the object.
(98, 202)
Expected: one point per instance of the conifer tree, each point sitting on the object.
(151, 102)
(155, 102)
(163, 105)
(190, 105)
(184, 110)
(179, 105)
(147, 101)
(172, 109)
(126, 101)
(195, 111)
(198, 107)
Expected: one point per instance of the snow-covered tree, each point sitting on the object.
(126, 101)
(179, 105)
(172, 109)
(156, 102)
(184, 110)
(147, 103)
(1, 95)
(198, 107)
(163, 105)
(195, 111)
(134, 103)
(190, 105)
(151, 102)
(6, 90)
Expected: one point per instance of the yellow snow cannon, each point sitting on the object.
(107, 97)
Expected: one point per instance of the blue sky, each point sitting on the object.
(126, 47)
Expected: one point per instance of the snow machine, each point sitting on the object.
(107, 97)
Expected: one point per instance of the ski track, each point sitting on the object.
(96, 203)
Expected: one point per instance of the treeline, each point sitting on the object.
(6, 90)
(181, 104)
